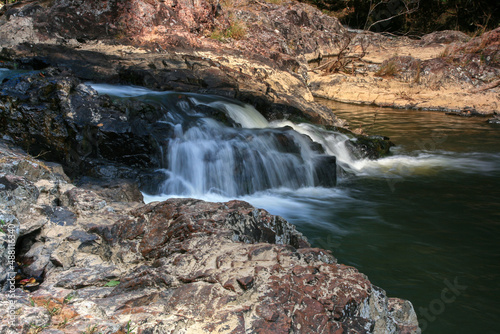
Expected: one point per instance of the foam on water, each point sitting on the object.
(214, 162)
(122, 90)
(426, 163)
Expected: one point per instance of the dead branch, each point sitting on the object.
(486, 87)
(404, 12)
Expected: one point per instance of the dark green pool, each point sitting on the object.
(423, 224)
(430, 232)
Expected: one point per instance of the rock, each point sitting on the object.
(114, 190)
(16, 193)
(267, 67)
(371, 147)
(326, 171)
(226, 266)
(495, 119)
(444, 37)
(73, 126)
(405, 68)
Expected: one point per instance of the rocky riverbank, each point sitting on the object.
(445, 71)
(94, 258)
(274, 55)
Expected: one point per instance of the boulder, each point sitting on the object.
(227, 267)
(51, 113)
(370, 147)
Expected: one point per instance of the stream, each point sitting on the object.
(423, 223)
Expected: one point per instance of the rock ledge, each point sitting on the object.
(103, 260)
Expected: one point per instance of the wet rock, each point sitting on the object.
(150, 181)
(371, 147)
(226, 266)
(495, 119)
(326, 171)
(60, 120)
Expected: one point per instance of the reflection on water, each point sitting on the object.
(413, 222)
(437, 223)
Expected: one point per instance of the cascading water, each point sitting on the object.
(414, 222)
(213, 158)
(221, 147)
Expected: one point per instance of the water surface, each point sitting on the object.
(423, 223)
(434, 219)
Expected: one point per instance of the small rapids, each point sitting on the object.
(414, 221)
(266, 163)
(217, 146)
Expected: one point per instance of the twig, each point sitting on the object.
(486, 87)
(407, 11)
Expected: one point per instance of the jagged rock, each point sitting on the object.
(371, 147)
(227, 267)
(54, 116)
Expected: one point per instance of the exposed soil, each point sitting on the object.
(398, 72)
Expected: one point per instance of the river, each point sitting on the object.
(423, 224)
(437, 223)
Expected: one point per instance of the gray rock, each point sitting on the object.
(108, 261)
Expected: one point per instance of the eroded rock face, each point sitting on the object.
(53, 114)
(180, 266)
(170, 45)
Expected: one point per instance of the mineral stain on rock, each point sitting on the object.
(182, 259)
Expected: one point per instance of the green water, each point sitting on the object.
(423, 224)
(434, 221)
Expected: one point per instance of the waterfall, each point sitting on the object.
(221, 146)
(213, 158)
(210, 157)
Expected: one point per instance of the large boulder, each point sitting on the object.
(54, 115)
(98, 261)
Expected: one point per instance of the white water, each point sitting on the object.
(398, 165)
(122, 90)
(212, 158)
(5, 72)
(206, 157)
(211, 161)
(245, 115)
